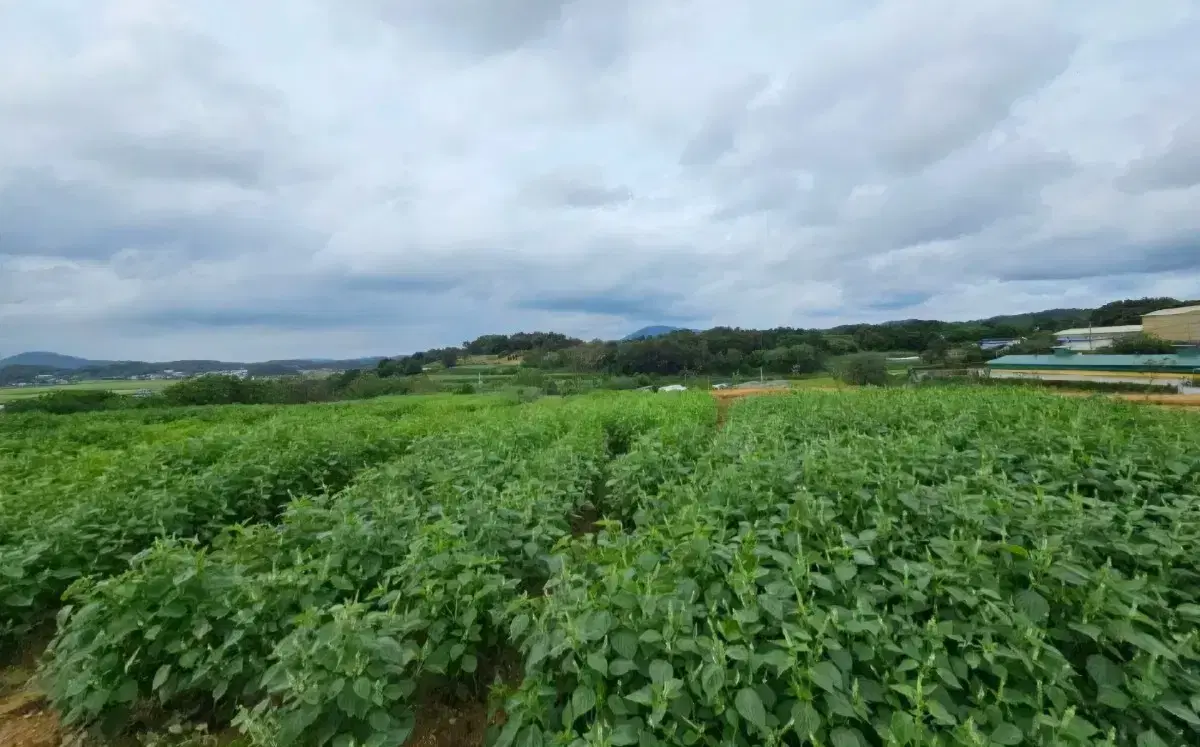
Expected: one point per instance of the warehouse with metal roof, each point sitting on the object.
(1180, 368)
(1095, 338)
(1176, 325)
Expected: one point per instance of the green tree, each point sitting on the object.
(936, 351)
(1141, 344)
(863, 369)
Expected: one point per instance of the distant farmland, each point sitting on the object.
(124, 386)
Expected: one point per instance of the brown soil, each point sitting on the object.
(1164, 400)
(458, 725)
(728, 394)
(27, 721)
(585, 521)
(444, 721)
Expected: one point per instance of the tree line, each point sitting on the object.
(783, 350)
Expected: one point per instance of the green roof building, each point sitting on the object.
(1185, 361)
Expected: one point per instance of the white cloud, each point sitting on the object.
(297, 177)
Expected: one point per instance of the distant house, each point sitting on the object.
(1094, 338)
(673, 388)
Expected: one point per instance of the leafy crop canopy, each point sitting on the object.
(918, 567)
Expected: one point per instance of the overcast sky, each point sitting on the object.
(287, 178)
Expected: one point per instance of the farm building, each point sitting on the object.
(1067, 365)
(1176, 325)
(997, 343)
(1094, 338)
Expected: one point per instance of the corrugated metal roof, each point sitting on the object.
(1170, 312)
(1101, 331)
(1171, 362)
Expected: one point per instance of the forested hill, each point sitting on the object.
(723, 350)
(659, 349)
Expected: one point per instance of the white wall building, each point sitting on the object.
(1095, 338)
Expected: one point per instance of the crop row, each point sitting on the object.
(75, 522)
(402, 575)
(888, 581)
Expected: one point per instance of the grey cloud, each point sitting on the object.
(610, 303)
(163, 158)
(294, 178)
(1177, 166)
(922, 82)
(576, 190)
(589, 195)
(1079, 258)
(957, 198)
(479, 27)
(42, 214)
(717, 134)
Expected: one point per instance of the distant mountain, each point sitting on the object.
(48, 360)
(657, 330)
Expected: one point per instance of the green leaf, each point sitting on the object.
(1189, 610)
(518, 626)
(779, 659)
(469, 663)
(160, 677)
(380, 720)
(1150, 738)
(1147, 643)
(1006, 734)
(1113, 698)
(1104, 672)
(712, 679)
(1034, 605)
(843, 737)
(625, 643)
(845, 571)
(625, 734)
(362, 688)
(939, 713)
(827, 676)
(862, 557)
(620, 667)
(583, 700)
(509, 732)
(1182, 711)
(127, 692)
(805, 720)
(530, 736)
(750, 706)
(1081, 728)
(598, 663)
(660, 671)
(596, 625)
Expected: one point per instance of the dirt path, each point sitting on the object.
(26, 719)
